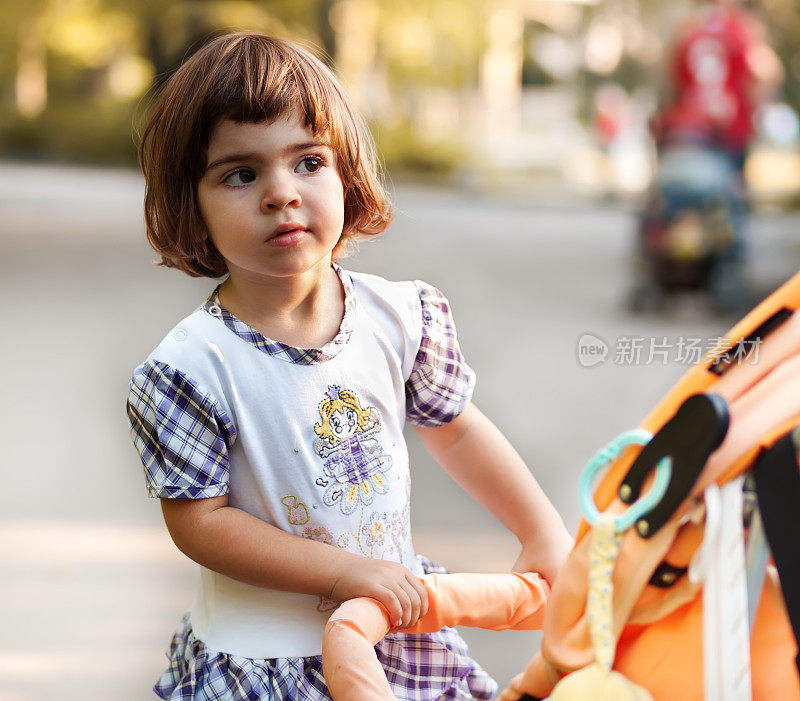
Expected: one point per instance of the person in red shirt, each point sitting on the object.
(722, 69)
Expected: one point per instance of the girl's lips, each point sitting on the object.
(287, 235)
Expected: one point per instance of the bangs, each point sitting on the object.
(261, 81)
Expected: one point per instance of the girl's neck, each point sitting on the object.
(304, 311)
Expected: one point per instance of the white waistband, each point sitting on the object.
(240, 619)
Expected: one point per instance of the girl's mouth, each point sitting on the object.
(287, 234)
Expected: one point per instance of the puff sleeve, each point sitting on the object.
(441, 383)
(180, 432)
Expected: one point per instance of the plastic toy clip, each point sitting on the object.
(604, 457)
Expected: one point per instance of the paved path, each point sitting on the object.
(92, 586)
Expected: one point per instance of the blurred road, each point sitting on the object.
(92, 587)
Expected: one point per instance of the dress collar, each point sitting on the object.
(291, 354)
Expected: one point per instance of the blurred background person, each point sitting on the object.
(693, 229)
(722, 69)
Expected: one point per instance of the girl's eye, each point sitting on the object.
(310, 164)
(240, 177)
(335, 422)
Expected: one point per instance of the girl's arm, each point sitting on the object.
(480, 459)
(234, 543)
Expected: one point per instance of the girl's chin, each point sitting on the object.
(285, 263)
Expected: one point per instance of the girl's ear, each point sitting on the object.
(201, 228)
(197, 223)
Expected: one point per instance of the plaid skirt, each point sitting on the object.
(420, 667)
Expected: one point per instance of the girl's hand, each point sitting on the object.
(397, 588)
(545, 556)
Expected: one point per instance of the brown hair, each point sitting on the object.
(247, 77)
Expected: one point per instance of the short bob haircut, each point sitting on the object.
(247, 77)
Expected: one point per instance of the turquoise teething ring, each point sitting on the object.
(606, 456)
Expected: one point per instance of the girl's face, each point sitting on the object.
(271, 198)
(344, 423)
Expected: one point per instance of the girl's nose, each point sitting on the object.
(279, 192)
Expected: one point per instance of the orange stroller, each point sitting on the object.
(668, 592)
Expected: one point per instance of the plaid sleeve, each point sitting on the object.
(180, 432)
(441, 383)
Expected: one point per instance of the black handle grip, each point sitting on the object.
(689, 437)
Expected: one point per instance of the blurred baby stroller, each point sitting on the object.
(691, 230)
(668, 592)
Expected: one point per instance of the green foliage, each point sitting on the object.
(428, 44)
(95, 131)
(404, 150)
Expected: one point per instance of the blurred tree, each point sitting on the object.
(424, 43)
(782, 18)
(75, 71)
(21, 50)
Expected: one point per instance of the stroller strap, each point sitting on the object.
(778, 488)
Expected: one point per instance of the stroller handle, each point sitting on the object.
(352, 672)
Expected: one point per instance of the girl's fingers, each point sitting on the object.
(406, 603)
(418, 598)
(419, 587)
(413, 607)
(392, 604)
(402, 594)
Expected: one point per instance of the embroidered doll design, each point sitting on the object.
(347, 442)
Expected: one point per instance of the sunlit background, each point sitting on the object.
(478, 92)
(515, 136)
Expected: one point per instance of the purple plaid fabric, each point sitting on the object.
(441, 383)
(181, 434)
(418, 667)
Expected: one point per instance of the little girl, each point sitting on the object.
(270, 420)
